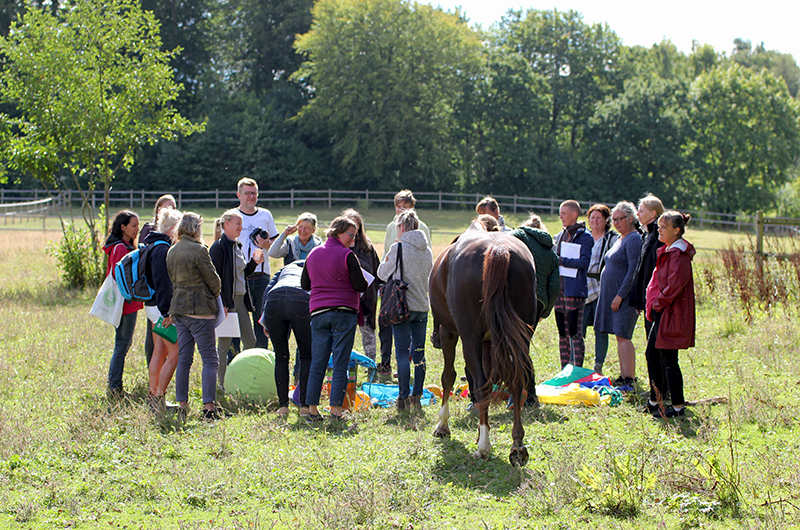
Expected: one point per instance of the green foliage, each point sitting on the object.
(88, 87)
(744, 141)
(620, 491)
(385, 76)
(81, 262)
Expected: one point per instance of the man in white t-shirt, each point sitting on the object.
(403, 200)
(258, 223)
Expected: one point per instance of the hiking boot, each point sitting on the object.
(647, 408)
(415, 403)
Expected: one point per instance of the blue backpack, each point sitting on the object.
(130, 274)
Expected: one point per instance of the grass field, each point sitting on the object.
(71, 459)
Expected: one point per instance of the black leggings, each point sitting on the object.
(287, 310)
(662, 366)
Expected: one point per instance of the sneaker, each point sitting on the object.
(647, 408)
(472, 409)
(670, 412)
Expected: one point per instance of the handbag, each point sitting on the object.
(394, 307)
(107, 304)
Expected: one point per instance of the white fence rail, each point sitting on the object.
(12, 201)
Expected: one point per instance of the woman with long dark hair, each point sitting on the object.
(120, 241)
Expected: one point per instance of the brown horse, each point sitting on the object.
(483, 290)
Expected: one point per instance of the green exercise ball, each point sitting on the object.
(251, 376)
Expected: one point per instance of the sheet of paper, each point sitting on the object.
(567, 272)
(229, 326)
(570, 251)
(367, 276)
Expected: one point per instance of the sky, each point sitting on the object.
(775, 23)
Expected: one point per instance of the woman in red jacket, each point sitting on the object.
(670, 307)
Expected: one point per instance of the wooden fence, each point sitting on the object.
(143, 200)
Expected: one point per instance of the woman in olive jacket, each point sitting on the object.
(195, 288)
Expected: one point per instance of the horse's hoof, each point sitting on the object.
(518, 456)
(442, 432)
(482, 456)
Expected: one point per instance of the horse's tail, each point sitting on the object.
(510, 335)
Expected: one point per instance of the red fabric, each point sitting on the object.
(671, 292)
(117, 252)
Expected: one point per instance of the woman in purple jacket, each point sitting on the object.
(333, 276)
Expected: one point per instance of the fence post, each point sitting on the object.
(515, 203)
(760, 232)
(552, 205)
(366, 206)
(440, 200)
(291, 199)
(93, 197)
(131, 201)
(216, 199)
(330, 202)
(142, 199)
(180, 199)
(702, 219)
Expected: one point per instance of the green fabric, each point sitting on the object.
(568, 375)
(251, 376)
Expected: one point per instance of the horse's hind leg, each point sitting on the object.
(519, 453)
(448, 341)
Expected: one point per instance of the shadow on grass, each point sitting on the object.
(48, 295)
(495, 476)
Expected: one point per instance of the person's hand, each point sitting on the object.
(226, 311)
(258, 256)
(291, 229)
(167, 322)
(615, 303)
(266, 333)
(260, 242)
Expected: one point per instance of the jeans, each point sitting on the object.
(199, 331)
(122, 343)
(332, 332)
(409, 341)
(257, 286)
(286, 311)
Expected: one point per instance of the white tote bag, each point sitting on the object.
(107, 304)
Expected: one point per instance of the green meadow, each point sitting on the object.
(70, 458)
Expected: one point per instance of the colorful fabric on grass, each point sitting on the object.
(386, 395)
(575, 385)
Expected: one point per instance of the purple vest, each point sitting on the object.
(330, 279)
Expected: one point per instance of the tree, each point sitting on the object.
(634, 141)
(745, 138)
(384, 76)
(579, 61)
(88, 86)
(503, 121)
(780, 64)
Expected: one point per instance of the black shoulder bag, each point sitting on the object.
(394, 307)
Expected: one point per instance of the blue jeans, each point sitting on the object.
(257, 286)
(600, 338)
(122, 343)
(199, 331)
(332, 332)
(409, 341)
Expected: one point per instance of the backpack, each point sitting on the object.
(130, 274)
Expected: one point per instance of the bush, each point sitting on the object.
(80, 261)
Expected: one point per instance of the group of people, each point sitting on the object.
(611, 275)
(601, 277)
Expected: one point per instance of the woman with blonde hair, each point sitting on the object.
(195, 288)
(165, 353)
(233, 270)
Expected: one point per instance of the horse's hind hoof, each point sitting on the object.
(518, 456)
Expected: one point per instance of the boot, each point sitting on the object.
(414, 403)
(402, 404)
